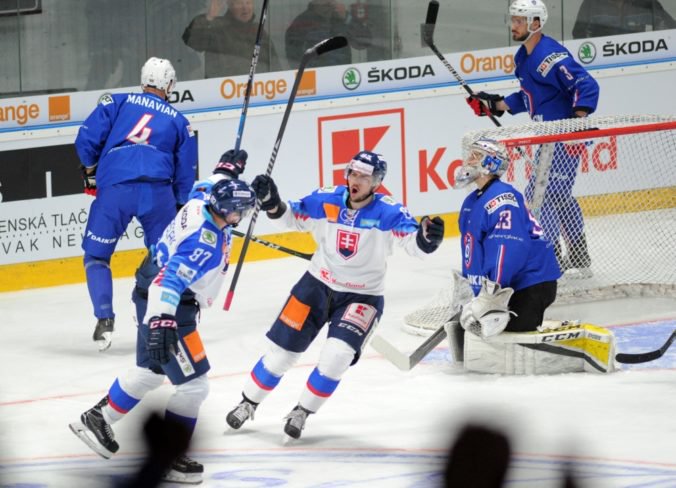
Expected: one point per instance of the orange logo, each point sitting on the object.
(59, 108)
(308, 84)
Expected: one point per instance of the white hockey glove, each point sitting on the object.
(487, 314)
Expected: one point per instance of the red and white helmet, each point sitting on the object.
(158, 73)
(529, 9)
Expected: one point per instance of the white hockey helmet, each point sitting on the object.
(529, 9)
(485, 157)
(158, 73)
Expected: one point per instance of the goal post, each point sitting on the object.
(615, 233)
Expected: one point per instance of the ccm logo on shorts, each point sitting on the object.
(360, 315)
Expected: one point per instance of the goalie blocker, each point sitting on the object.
(556, 347)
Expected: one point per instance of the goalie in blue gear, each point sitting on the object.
(180, 275)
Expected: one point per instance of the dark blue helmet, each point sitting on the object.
(368, 163)
(228, 196)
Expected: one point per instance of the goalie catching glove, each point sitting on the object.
(487, 314)
(89, 179)
(162, 338)
(484, 103)
(232, 163)
(430, 234)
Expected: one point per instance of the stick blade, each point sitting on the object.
(330, 44)
(427, 29)
(645, 357)
(391, 353)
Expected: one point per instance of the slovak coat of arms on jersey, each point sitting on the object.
(347, 243)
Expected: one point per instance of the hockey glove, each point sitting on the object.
(430, 234)
(484, 103)
(266, 192)
(89, 179)
(232, 164)
(487, 314)
(162, 338)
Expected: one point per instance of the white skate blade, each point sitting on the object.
(105, 343)
(174, 476)
(287, 440)
(79, 429)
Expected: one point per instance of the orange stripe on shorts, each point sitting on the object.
(195, 346)
(294, 314)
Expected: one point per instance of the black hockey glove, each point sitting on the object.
(490, 106)
(430, 234)
(162, 338)
(266, 192)
(232, 164)
(89, 180)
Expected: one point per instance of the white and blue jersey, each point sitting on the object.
(501, 240)
(192, 253)
(552, 83)
(139, 137)
(352, 245)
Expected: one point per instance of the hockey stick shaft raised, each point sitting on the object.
(428, 38)
(644, 357)
(252, 71)
(317, 50)
(274, 246)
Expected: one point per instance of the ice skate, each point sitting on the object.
(241, 413)
(185, 470)
(94, 431)
(103, 333)
(295, 421)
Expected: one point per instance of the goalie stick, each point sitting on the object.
(318, 49)
(644, 357)
(406, 362)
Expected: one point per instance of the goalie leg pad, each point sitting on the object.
(571, 349)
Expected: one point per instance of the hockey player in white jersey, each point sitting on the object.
(355, 230)
(182, 273)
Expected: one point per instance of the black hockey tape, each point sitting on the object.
(330, 44)
(432, 12)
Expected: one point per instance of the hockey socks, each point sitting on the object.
(100, 285)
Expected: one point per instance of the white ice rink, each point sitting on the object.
(382, 427)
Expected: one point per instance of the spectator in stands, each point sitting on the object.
(598, 18)
(323, 19)
(228, 40)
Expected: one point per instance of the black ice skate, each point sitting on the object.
(295, 421)
(185, 470)
(94, 431)
(241, 413)
(103, 333)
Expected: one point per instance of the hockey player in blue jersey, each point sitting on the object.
(553, 86)
(181, 274)
(355, 230)
(139, 157)
(507, 260)
(512, 271)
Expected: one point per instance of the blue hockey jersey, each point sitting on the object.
(352, 245)
(502, 241)
(552, 83)
(139, 137)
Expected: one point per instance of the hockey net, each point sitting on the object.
(616, 236)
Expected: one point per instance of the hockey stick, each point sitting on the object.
(274, 246)
(316, 50)
(427, 31)
(406, 362)
(249, 83)
(644, 357)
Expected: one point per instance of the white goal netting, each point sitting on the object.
(615, 235)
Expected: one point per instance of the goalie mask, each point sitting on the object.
(486, 157)
(160, 74)
(232, 199)
(368, 163)
(530, 9)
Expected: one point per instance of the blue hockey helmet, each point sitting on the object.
(232, 196)
(369, 163)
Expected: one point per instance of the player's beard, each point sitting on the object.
(522, 38)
